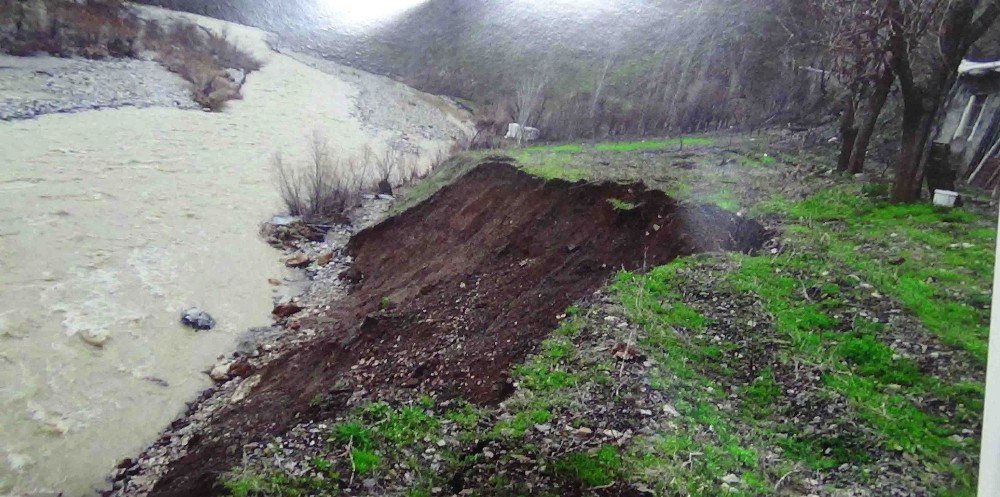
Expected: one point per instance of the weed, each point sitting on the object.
(594, 469)
(353, 433)
(364, 461)
(466, 415)
(521, 422)
(550, 171)
(403, 426)
(385, 304)
(621, 205)
(763, 391)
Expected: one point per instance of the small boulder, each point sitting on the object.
(286, 310)
(298, 259)
(324, 259)
(96, 338)
(220, 372)
(197, 319)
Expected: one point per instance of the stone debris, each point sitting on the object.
(39, 85)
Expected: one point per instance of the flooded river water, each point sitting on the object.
(114, 221)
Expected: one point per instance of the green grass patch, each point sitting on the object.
(592, 469)
(402, 426)
(550, 171)
(325, 481)
(725, 199)
(565, 148)
(522, 422)
(645, 145)
(621, 205)
(758, 160)
(365, 461)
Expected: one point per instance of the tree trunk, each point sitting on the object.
(876, 102)
(595, 124)
(848, 131)
(940, 175)
(916, 128)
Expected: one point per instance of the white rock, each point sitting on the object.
(97, 338)
(244, 389)
(220, 372)
(731, 479)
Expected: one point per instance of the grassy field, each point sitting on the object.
(846, 358)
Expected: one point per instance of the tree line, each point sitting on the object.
(655, 67)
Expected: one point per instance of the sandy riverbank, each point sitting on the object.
(115, 220)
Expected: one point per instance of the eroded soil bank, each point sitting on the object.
(448, 295)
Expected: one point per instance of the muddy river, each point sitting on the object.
(114, 221)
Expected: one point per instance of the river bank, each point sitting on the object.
(115, 220)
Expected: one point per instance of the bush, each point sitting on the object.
(321, 191)
(214, 66)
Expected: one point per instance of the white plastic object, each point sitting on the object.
(945, 198)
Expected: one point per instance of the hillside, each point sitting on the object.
(545, 342)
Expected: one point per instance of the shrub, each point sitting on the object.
(323, 190)
(596, 469)
(491, 126)
(214, 66)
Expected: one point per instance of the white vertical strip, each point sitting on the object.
(964, 121)
(989, 459)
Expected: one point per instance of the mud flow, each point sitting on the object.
(450, 294)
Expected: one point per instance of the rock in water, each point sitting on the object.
(220, 372)
(197, 319)
(97, 338)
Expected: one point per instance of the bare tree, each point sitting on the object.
(386, 164)
(530, 95)
(595, 102)
(882, 85)
(323, 188)
(914, 27)
(860, 57)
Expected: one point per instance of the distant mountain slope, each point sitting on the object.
(597, 68)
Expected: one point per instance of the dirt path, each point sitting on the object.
(115, 220)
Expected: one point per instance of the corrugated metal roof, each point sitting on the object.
(969, 68)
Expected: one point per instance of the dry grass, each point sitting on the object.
(214, 66)
(327, 186)
(491, 126)
(322, 190)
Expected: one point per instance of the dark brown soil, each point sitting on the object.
(452, 293)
